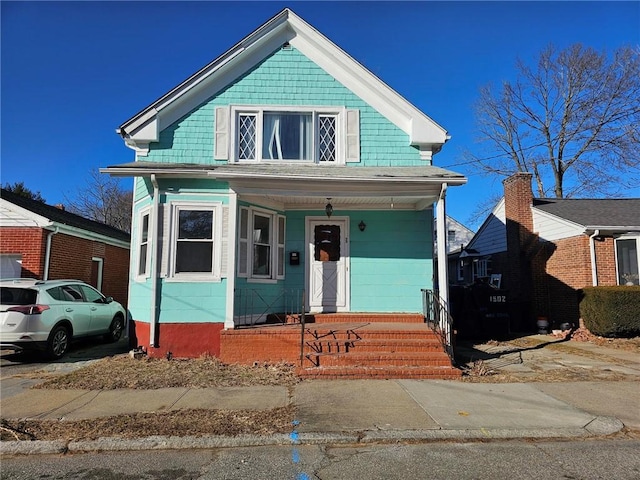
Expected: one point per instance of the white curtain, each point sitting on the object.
(287, 136)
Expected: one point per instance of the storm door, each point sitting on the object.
(328, 260)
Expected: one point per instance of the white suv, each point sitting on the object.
(46, 315)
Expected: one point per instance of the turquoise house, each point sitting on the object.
(283, 176)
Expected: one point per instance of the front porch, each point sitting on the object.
(345, 345)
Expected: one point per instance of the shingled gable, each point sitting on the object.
(284, 28)
(54, 216)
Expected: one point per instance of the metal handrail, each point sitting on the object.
(438, 317)
(252, 306)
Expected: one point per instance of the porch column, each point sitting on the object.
(231, 259)
(441, 230)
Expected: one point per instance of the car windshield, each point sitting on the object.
(17, 296)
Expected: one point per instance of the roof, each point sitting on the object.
(57, 215)
(284, 28)
(290, 171)
(606, 213)
(297, 186)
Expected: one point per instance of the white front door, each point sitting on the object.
(328, 264)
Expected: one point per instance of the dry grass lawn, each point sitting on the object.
(124, 372)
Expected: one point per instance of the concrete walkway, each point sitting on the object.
(352, 411)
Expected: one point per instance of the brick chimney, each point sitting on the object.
(518, 198)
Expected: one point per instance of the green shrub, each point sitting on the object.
(611, 311)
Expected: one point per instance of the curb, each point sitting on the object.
(599, 426)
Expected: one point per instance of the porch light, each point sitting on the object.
(329, 208)
(362, 225)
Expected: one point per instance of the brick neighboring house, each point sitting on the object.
(546, 249)
(46, 242)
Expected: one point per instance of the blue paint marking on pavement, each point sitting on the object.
(295, 454)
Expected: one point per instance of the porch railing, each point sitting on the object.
(253, 306)
(438, 317)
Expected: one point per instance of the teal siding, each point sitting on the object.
(286, 77)
(391, 261)
(142, 188)
(193, 302)
(179, 301)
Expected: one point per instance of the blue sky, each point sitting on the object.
(72, 72)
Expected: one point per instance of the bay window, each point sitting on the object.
(196, 244)
(143, 245)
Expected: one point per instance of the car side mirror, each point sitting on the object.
(108, 300)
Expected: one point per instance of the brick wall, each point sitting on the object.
(28, 241)
(606, 262)
(544, 277)
(71, 257)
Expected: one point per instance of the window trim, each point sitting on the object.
(147, 273)
(626, 237)
(338, 112)
(480, 265)
(275, 244)
(216, 210)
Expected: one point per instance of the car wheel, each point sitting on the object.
(115, 330)
(58, 342)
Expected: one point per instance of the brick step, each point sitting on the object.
(363, 373)
(374, 345)
(353, 335)
(408, 359)
(364, 318)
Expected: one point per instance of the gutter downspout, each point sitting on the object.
(154, 261)
(47, 254)
(594, 268)
(441, 231)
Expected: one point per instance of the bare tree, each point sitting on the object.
(104, 200)
(573, 121)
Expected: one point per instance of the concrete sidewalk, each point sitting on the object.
(361, 411)
(351, 411)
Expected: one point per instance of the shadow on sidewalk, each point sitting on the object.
(500, 354)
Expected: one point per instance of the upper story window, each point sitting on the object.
(326, 135)
(289, 136)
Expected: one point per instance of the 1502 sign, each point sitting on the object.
(497, 299)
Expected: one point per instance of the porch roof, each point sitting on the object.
(302, 186)
(420, 174)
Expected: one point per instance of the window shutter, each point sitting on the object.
(243, 243)
(221, 134)
(280, 232)
(353, 136)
